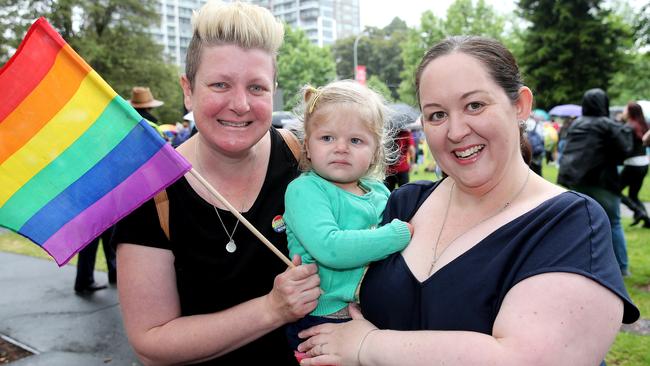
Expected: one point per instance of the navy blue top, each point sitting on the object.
(567, 233)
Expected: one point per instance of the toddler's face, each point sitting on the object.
(340, 145)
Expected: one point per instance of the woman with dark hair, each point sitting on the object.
(504, 267)
(636, 167)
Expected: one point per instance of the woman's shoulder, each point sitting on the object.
(405, 201)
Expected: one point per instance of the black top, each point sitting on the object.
(567, 233)
(595, 145)
(210, 279)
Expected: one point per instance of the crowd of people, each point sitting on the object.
(489, 264)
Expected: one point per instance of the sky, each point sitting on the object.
(379, 13)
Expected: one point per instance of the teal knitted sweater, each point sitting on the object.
(339, 230)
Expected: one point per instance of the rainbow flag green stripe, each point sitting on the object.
(107, 131)
(74, 156)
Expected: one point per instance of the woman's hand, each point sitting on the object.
(295, 291)
(336, 344)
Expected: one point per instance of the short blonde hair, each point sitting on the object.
(370, 106)
(245, 25)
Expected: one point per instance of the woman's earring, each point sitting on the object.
(522, 123)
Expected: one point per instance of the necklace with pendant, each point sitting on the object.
(231, 246)
(437, 256)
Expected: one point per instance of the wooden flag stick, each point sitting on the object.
(241, 218)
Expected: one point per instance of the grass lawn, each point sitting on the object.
(628, 350)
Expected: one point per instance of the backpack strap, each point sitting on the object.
(292, 141)
(162, 201)
(162, 207)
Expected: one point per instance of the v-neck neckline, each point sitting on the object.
(476, 246)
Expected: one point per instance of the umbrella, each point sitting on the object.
(402, 116)
(541, 114)
(566, 110)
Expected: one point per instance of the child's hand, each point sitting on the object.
(410, 226)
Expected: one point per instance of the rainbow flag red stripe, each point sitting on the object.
(74, 156)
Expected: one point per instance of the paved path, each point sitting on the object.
(38, 308)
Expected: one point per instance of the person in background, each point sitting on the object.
(504, 267)
(333, 209)
(397, 174)
(635, 167)
(207, 291)
(418, 161)
(562, 136)
(143, 102)
(84, 283)
(535, 136)
(595, 146)
(183, 132)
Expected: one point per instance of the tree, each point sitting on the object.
(463, 18)
(570, 47)
(377, 85)
(109, 35)
(632, 81)
(300, 62)
(379, 50)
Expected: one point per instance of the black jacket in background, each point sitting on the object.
(595, 145)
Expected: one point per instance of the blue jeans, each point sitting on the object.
(611, 202)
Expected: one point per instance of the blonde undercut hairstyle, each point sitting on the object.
(245, 25)
(369, 105)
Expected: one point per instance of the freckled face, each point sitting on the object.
(340, 146)
(232, 98)
(469, 122)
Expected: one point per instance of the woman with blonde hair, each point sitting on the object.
(207, 291)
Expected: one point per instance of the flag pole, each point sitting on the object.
(241, 218)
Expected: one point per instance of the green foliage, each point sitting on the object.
(632, 79)
(570, 47)
(300, 62)
(629, 350)
(110, 36)
(379, 50)
(380, 87)
(632, 82)
(418, 40)
(463, 18)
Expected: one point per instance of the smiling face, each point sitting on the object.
(469, 122)
(339, 145)
(232, 98)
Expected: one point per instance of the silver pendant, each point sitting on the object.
(231, 246)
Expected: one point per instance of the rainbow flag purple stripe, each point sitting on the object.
(74, 156)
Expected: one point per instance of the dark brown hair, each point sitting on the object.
(497, 59)
(636, 119)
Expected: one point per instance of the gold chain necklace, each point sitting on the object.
(231, 246)
(436, 256)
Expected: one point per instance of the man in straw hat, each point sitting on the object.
(143, 101)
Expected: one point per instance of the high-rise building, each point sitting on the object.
(175, 29)
(324, 21)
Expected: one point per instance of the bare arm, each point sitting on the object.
(161, 336)
(548, 319)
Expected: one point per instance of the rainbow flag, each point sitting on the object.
(74, 156)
